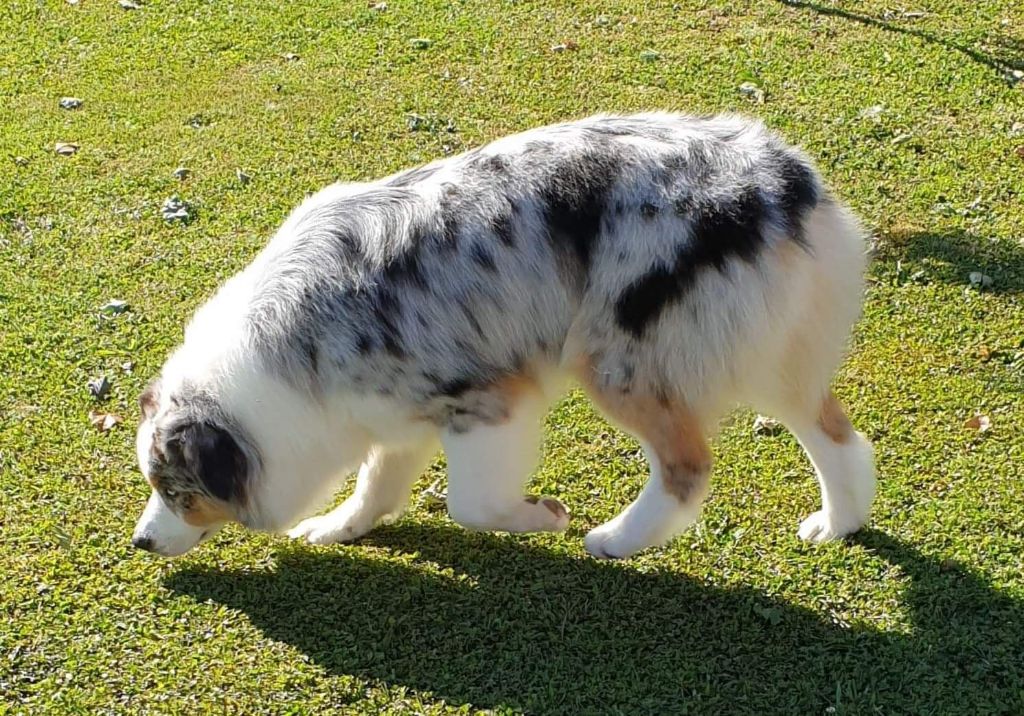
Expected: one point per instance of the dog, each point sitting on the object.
(673, 266)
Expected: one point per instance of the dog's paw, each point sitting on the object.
(548, 514)
(331, 528)
(612, 541)
(819, 527)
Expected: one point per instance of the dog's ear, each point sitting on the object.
(214, 456)
(149, 401)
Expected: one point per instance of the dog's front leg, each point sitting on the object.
(488, 466)
(382, 492)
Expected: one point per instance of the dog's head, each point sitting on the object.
(198, 465)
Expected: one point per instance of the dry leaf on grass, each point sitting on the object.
(104, 421)
(70, 102)
(65, 149)
(981, 423)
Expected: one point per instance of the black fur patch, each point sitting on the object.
(387, 310)
(483, 258)
(720, 233)
(455, 388)
(798, 194)
(449, 211)
(467, 311)
(649, 210)
(502, 227)
(575, 199)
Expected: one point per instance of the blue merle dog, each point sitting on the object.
(673, 266)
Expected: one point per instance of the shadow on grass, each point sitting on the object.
(1008, 55)
(506, 625)
(952, 258)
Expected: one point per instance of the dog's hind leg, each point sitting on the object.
(844, 464)
(673, 440)
(382, 492)
(488, 467)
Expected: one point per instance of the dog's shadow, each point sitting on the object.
(499, 624)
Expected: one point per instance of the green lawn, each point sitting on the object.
(916, 121)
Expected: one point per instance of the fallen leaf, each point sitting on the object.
(70, 102)
(379, 6)
(563, 46)
(175, 209)
(243, 178)
(104, 421)
(979, 280)
(182, 173)
(128, 366)
(128, 4)
(99, 387)
(21, 161)
(751, 90)
(650, 56)
(113, 308)
(984, 352)
(981, 423)
(65, 149)
(1017, 130)
(421, 43)
(1019, 151)
(763, 425)
(290, 56)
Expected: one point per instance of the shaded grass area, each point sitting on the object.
(912, 119)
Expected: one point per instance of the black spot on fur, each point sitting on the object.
(449, 211)
(798, 193)
(455, 388)
(494, 164)
(312, 354)
(575, 199)
(483, 258)
(363, 343)
(720, 233)
(467, 311)
(387, 310)
(406, 268)
(648, 210)
(502, 227)
(684, 205)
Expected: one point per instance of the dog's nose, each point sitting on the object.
(145, 543)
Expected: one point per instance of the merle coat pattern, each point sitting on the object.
(674, 266)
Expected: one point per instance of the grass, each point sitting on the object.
(921, 613)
